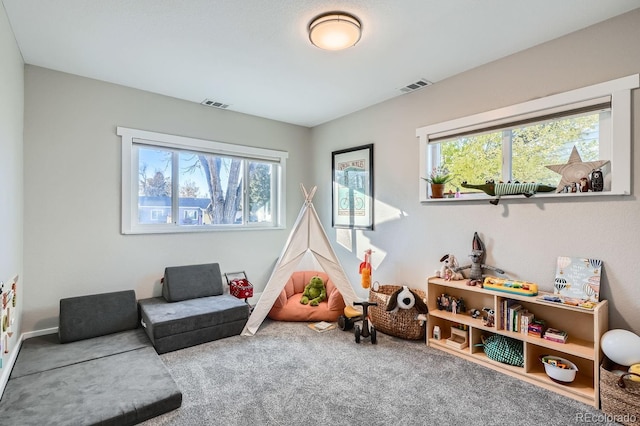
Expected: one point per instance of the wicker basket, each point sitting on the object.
(619, 396)
(402, 323)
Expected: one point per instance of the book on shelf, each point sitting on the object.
(555, 335)
(536, 329)
(555, 331)
(555, 339)
(515, 317)
(510, 315)
(526, 318)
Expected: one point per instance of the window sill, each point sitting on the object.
(470, 197)
(168, 229)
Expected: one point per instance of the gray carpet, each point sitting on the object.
(288, 374)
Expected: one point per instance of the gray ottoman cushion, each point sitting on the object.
(197, 337)
(121, 389)
(44, 353)
(95, 315)
(163, 319)
(191, 281)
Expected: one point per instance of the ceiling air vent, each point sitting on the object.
(214, 104)
(416, 86)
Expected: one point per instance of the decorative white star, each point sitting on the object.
(575, 169)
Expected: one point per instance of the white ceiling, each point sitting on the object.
(255, 54)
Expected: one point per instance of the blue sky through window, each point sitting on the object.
(159, 160)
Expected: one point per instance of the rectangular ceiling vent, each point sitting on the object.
(422, 83)
(214, 104)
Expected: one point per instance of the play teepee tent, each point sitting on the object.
(307, 236)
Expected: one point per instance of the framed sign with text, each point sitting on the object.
(352, 187)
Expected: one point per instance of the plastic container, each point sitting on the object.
(559, 374)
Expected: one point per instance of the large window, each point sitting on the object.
(177, 184)
(519, 143)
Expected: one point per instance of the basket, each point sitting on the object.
(402, 323)
(239, 285)
(619, 396)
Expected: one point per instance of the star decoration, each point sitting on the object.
(575, 169)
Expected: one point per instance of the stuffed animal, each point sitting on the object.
(597, 180)
(447, 270)
(405, 298)
(314, 292)
(477, 262)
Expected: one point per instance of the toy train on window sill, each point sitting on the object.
(523, 288)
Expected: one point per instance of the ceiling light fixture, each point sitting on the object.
(335, 31)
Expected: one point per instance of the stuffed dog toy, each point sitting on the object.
(404, 298)
(447, 270)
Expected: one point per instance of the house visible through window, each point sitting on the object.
(177, 184)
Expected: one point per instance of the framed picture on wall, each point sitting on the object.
(352, 187)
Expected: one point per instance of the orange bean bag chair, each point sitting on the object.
(287, 306)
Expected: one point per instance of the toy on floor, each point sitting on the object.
(447, 270)
(314, 292)
(477, 262)
(367, 331)
(350, 317)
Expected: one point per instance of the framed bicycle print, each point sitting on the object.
(352, 187)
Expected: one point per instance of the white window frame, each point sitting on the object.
(130, 166)
(615, 146)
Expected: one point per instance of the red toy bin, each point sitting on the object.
(239, 285)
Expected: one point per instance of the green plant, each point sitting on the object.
(439, 175)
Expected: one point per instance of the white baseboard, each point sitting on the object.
(6, 369)
(36, 333)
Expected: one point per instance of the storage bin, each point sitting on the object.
(402, 323)
(619, 395)
(239, 285)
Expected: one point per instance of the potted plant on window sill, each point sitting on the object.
(438, 178)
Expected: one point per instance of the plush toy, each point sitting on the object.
(404, 298)
(314, 292)
(516, 188)
(447, 270)
(477, 262)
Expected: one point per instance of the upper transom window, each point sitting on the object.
(518, 143)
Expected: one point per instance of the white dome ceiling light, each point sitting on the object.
(335, 31)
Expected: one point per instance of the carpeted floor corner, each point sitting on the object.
(288, 374)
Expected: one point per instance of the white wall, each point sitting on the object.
(11, 181)
(73, 244)
(524, 237)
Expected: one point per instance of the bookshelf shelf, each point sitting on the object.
(584, 327)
